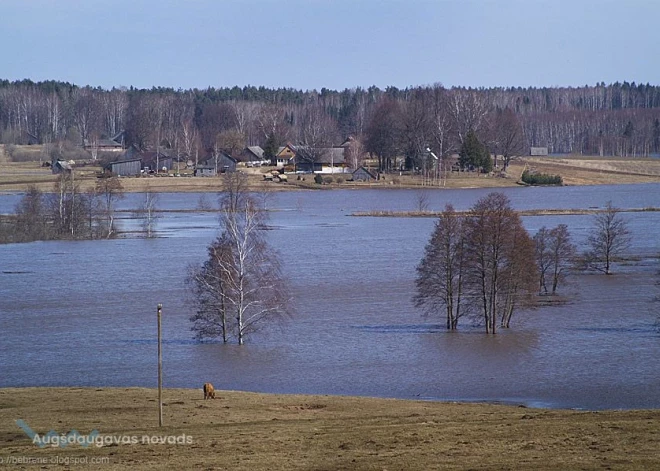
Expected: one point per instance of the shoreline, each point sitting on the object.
(243, 430)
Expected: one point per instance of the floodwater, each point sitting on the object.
(84, 313)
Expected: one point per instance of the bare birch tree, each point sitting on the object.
(555, 255)
(147, 213)
(110, 190)
(241, 285)
(608, 239)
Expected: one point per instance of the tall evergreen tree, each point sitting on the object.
(474, 152)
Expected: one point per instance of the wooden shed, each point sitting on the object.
(538, 151)
(363, 175)
(61, 166)
(125, 168)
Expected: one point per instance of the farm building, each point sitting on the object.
(538, 151)
(156, 161)
(320, 160)
(209, 166)
(103, 145)
(254, 156)
(205, 171)
(61, 166)
(125, 168)
(363, 175)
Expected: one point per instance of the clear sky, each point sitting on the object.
(334, 44)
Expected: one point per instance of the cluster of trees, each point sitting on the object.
(479, 265)
(67, 212)
(618, 119)
(484, 265)
(240, 285)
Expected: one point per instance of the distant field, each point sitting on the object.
(596, 170)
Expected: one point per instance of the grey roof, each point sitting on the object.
(210, 161)
(323, 155)
(257, 151)
(64, 165)
(121, 161)
(364, 170)
(538, 151)
(103, 143)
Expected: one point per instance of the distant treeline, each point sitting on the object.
(617, 119)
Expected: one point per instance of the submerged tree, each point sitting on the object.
(110, 191)
(147, 213)
(241, 283)
(209, 285)
(555, 254)
(31, 223)
(69, 208)
(500, 257)
(608, 239)
(440, 273)
(481, 263)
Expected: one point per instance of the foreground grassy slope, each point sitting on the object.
(258, 432)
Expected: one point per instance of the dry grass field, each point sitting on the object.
(248, 431)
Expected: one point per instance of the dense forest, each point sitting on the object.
(620, 119)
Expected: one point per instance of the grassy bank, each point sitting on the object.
(241, 430)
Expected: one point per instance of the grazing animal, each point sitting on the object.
(209, 392)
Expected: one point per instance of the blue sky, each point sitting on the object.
(334, 44)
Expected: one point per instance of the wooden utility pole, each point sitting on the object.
(160, 370)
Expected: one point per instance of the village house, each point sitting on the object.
(284, 156)
(112, 144)
(319, 160)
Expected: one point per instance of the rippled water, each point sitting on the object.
(83, 313)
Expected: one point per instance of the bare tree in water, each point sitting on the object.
(481, 263)
(240, 286)
(147, 213)
(608, 239)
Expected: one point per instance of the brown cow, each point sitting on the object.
(209, 392)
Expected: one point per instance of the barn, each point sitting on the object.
(208, 167)
(125, 168)
(60, 166)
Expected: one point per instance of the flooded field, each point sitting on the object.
(83, 313)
